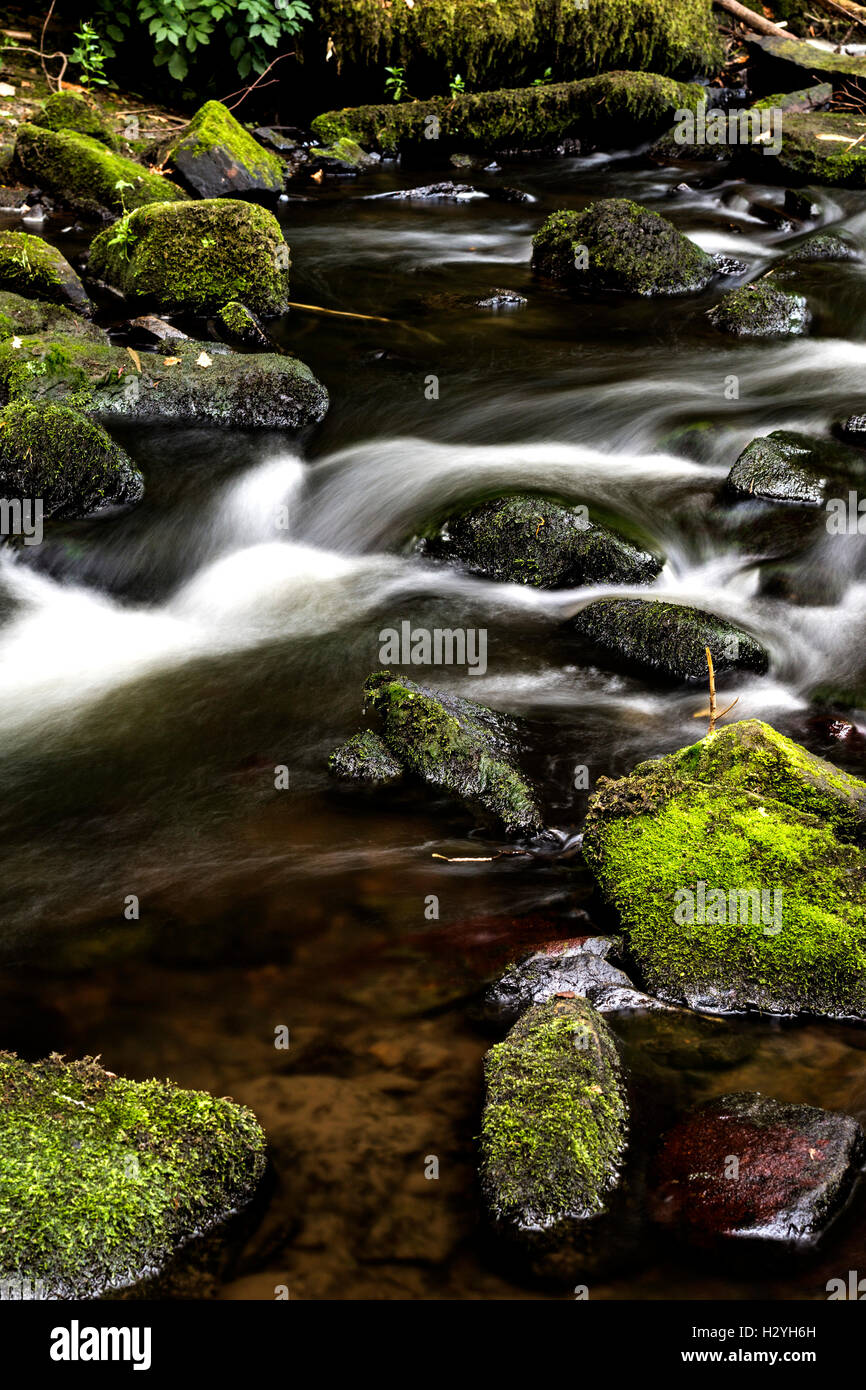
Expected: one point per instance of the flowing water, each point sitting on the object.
(157, 666)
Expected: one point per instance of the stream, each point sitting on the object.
(158, 666)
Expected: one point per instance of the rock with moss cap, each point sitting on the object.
(617, 245)
(787, 466)
(666, 639)
(237, 325)
(554, 1133)
(583, 967)
(79, 112)
(344, 156)
(201, 383)
(31, 267)
(21, 317)
(366, 759)
(70, 463)
(818, 249)
(760, 311)
(530, 539)
(216, 158)
(458, 748)
(611, 109)
(737, 869)
(808, 156)
(104, 1181)
(196, 257)
(84, 174)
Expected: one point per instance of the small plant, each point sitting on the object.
(90, 56)
(712, 711)
(543, 81)
(124, 237)
(395, 84)
(457, 86)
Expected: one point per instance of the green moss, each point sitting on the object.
(76, 111)
(667, 639)
(102, 1179)
(236, 325)
(555, 1120)
(365, 758)
(86, 175)
(197, 256)
(215, 143)
(612, 108)
(31, 267)
(618, 245)
(22, 317)
(53, 453)
(760, 310)
(743, 812)
(840, 161)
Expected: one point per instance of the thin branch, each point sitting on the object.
(243, 92)
(754, 21)
(42, 41)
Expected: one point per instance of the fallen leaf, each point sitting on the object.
(203, 360)
(135, 357)
(317, 176)
(6, 90)
(16, 342)
(172, 361)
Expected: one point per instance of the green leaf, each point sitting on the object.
(178, 66)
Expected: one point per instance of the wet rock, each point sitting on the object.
(365, 758)
(760, 311)
(237, 325)
(20, 317)
(771, 216)
(668, 639)
(839, 161)
(456, 747)
(196, 382)
(217, 158)
(806, 99)
(70, 463)
(282, 139)
(554, 1132)
(76, 111)
(344, 156)
(787, 60)
(853, 430)
(13, 199)
(156, 330)
(31, 267)
(581, 968)
(789, 467)
(128, 1173)
(502, 299)
(196, 257)
(801, 204)
(737, 870)
(530, 539)
(434, 192)
(821, 247)
(617, 245)
(748, 1169)
(86, 175)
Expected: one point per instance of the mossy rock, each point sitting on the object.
(217, 158)
(79, 112)
(104, 1180)
(84, 174)
(55, 454)
(786, 466)
(554, 1131)
(237, 325)
(21, 317)
(610, 109)
(760, 311)
(794, 60)
(196, 257)
(31, 267)
(365, 758)
(737, 869)
(531, 539)
(456, 747)
(807, 158)
(818, 249)
(255, 391)
(345, 155)
(617, 245)
(667, 639)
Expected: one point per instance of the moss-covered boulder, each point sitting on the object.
(79, 112)
(737, 869)
(104, 1180)
(531, 539)
(786, 466)
(760, 311)
(84, 174)
(21, 317)
(824, 148)
(202, 383)
(553, 1135)
(815, 250)
(70, 463)
(666, 639)
(365, 758)
(610, 110)
(789, 61)
(456, 747)
(344, 156)
(31, 267)
(239, 326)
(216, 158)
(617, 245)
(196, 257)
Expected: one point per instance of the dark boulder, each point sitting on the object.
(760, 311)
(667, 639)
(789, 467)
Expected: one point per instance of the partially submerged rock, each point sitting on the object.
(786, 466)
(365, 758)
(456, 747)
(667, 639)
(68, 462)
(33, 268)
(553, 1135)
(201, 383)
(104, 1180)
(760, 311)
(344, 156)
(750, 1170)
(196, 257)
(217, 158)
(21, 317)
(531, 539)
(737, 869)
(823, 246)
(87, 176)
(79, 112)
(239, 326)
(617, 245)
